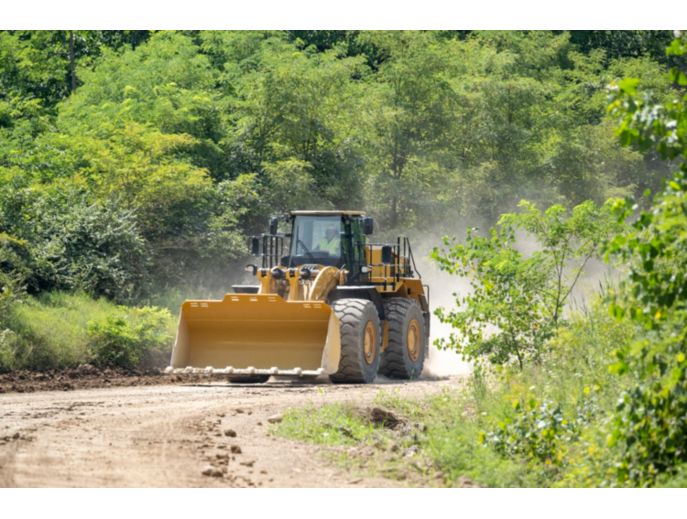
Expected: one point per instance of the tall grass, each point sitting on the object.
(52, 330)
(543, 426)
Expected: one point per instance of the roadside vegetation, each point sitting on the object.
(563, 396)
(63, 330)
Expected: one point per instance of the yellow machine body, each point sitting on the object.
(286, 328)
(254, 334)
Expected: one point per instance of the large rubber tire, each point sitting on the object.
(358, 318)
(407, 347)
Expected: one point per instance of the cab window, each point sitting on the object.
(316, 236)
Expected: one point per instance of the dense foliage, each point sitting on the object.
(152, 155)
(630, 417)
(651, 425)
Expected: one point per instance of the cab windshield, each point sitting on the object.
(316, 237)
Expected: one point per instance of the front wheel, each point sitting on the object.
(360, 341)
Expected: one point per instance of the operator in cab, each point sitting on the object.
(331, 242)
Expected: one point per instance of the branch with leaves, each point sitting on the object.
(518, 298)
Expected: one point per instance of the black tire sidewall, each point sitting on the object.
(370, 370)
(352, 365)
(414, 312)
(408, 310)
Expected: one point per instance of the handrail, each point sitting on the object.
(412, 258)
(404, 260)
(272, 250)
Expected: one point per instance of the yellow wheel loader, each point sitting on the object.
(326, 302)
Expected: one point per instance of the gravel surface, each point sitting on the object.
(185, 435)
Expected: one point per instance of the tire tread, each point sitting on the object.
(350, 313)
(395, 362)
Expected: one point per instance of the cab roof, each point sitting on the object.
(328, 213)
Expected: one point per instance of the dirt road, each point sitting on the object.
(162, 436)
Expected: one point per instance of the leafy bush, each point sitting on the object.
(69, 241)
(114, 343)
(94, 248)
(553, 417)
(650, 426)
(539, 431)
(14, 260)
(517, 299)
(52, 331)
(127, 341)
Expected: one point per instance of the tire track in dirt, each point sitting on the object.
(164, 436)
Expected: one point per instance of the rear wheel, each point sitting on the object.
(360, 341)
(405, 353)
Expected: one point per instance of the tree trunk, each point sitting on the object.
(393, 220)
(72, 61)
(398, 160)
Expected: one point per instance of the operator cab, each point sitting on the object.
(316, 239)
(330, 238)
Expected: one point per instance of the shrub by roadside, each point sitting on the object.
(133, 338)
(543, 426)
(61, 330)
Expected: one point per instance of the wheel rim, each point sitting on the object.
(370, 342)
(413, 340)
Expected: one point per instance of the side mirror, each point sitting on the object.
(387, 254)
(255, 246)
(274, 224)
(368, 225)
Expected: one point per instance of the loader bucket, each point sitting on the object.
(256, 334)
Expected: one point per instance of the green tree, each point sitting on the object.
(410, 118)
(297, 106)
(649, 425)
(517, 297)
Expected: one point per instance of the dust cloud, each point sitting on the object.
(442, 287)
(595, 279)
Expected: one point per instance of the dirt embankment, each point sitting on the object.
(184, 435)
(90, 377)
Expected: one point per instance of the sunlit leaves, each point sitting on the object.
(519, 287)
(650, 425)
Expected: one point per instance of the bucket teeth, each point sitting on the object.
(297, 372)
